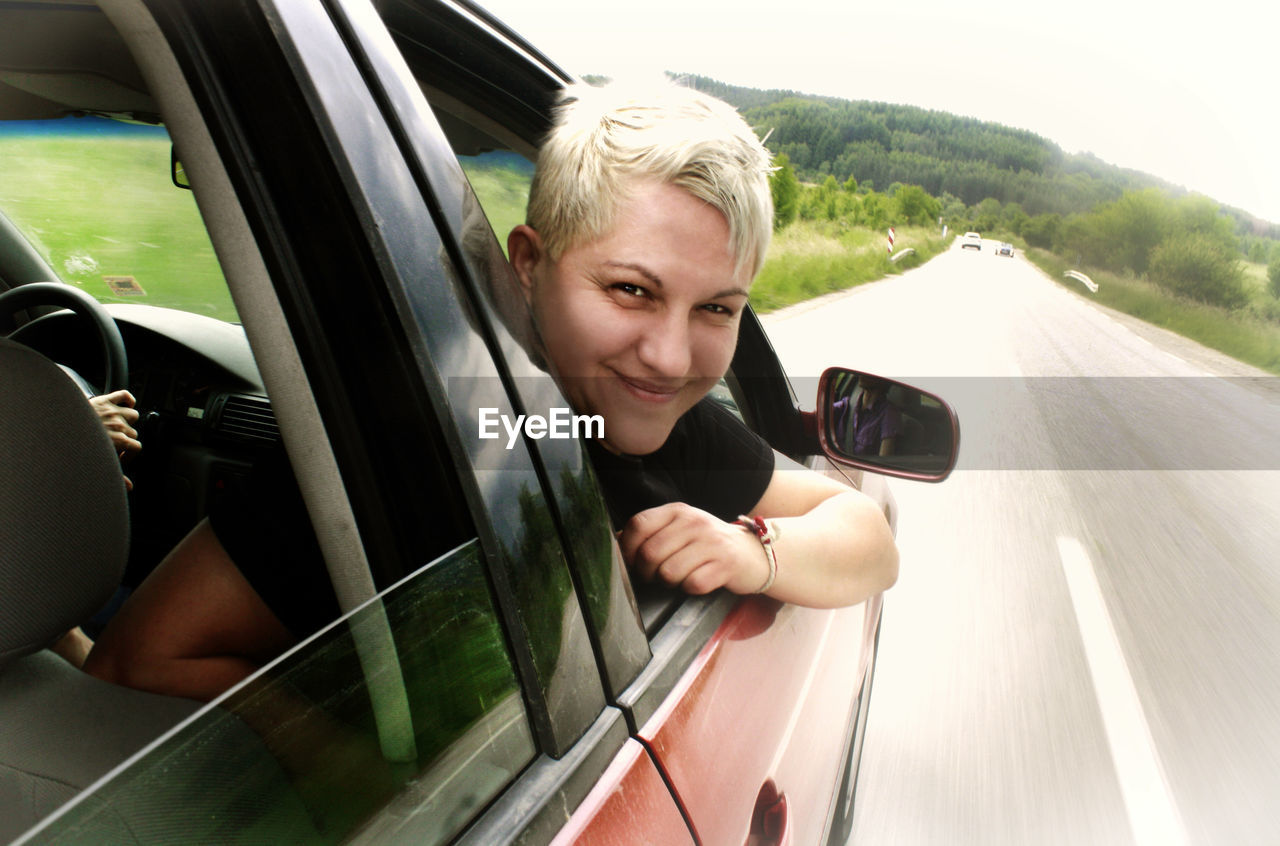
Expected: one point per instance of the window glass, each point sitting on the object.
(293, 755)
(96, 199)
(501, 182)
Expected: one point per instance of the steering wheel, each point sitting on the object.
(115, 373)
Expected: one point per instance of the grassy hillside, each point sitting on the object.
(947, 155)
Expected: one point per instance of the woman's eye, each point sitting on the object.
(630, 289)
(718, 310)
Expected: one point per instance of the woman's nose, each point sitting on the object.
(663, 347)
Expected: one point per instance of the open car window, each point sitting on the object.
(95, 198)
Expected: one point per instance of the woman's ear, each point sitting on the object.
(525, 251)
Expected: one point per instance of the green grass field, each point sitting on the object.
(97, 206)
(812, 258)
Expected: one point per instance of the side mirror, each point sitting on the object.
(888, 427)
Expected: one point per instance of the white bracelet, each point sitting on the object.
(766, 535)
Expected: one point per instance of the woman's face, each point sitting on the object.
(639, 324)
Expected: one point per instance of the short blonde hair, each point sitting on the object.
(606, 138)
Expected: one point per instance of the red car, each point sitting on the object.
(292, 213)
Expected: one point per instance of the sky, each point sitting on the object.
(1186, 92)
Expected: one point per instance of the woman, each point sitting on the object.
(648, 218)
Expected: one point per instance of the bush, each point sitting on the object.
(1265, 309)
(1273, 274)
(1200, 267)
(1078, 238)
(1039, 231)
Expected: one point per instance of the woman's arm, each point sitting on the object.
(833, 545)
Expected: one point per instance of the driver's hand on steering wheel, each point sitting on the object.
(118, 415)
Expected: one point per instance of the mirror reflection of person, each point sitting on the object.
(649, 217)
(866, 422)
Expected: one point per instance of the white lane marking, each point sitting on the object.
(1152, 814)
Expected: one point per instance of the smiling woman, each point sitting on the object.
(649, 216)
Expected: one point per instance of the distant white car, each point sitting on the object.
(1005, 249)
(971, 239)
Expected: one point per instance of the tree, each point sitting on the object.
(1077, 238)
(1012, 217)
(1200, 214)
(874, 211)
(1273, 273)
(1199, 266)
(987, 215)
(1132, 227)
(954, 212)
(916, 206)
(785, 189)
(1041, 230)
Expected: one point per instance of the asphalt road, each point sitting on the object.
(1082, 644)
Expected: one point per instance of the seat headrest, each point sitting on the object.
(64, 519)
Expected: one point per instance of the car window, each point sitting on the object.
(293, 755)
(96, 199)
(501, 182)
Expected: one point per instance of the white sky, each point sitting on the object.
(1187, 92)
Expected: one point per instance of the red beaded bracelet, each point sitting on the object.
(765, 534)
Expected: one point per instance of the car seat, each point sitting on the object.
(64, 532)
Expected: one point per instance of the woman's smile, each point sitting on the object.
(648, 391)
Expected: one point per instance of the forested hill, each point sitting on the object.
(972, 160)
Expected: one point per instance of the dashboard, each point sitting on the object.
(205, 416)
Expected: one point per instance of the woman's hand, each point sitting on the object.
(832, 544)
(118, 415)
(688, 548)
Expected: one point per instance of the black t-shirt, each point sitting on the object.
(711, 461)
